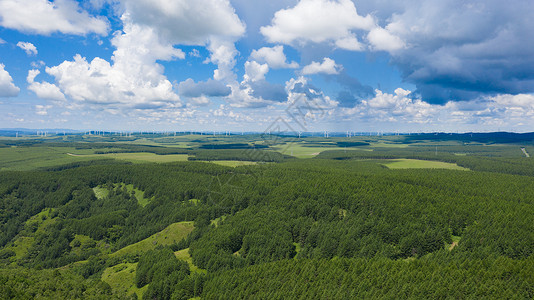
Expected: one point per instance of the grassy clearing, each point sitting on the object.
(103, 191)
(299, 150)
(142, 157)
(389, 145)
(100, 192)
(121, 278)
(218, 221)
(421, 164)
(170, 235)
(234, 163)
(184, 255)
(31, 158)
(139, 195)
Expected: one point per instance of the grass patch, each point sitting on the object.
(389, 145)
(184, 255)
(31, 158)
(194, 201)
(103, 191)
(121, 278)
(300, 150)
(218, 221)
(100, 192)
(170, 235)
(421, 164)
(142, 157)
(234, 163)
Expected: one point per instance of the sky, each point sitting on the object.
(276, 65)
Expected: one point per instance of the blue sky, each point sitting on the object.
(303, 65)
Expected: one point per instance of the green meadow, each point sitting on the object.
(421, 164)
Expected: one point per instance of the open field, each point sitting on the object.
(234, 163)
(421, 164)
(121, 279)
(31, 158)
(142, 157)
(300, 150)
(170, 235)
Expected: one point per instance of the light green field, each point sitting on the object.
(388, 145)
(300, 151)
(142, 157)
(184, 255)
(421, 164)
(121, 278)
(31, 158)
(100, 192)
(233, 163)
(170, 235)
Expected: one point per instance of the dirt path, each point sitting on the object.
(525, 152)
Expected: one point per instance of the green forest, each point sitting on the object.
(308, 218)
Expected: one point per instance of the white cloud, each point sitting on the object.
(37, 64)
(525, 101)
(382, 39)
(187, 22)
(46, 17)
(318, 21)
(328, 66)
(7, 87)
(274, 57)
(201, 22)
(2, 41)
(350, 43)
(29, 48)
(199, 101)
(133, 80)
(44, 90)
(397, 107)
(223, 53)
(255, 71)
(42, 110)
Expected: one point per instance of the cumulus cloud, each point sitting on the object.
(46, 17)
(395, 107)
(317, 21)
(274, 57)
(382, 39)
(187, 22)
(457, 50)
(255, 71)
(134, 79)
(44, 90)
(29, 48)
(7, 87)
(209, 88)
(202, 22)
(328, 66)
